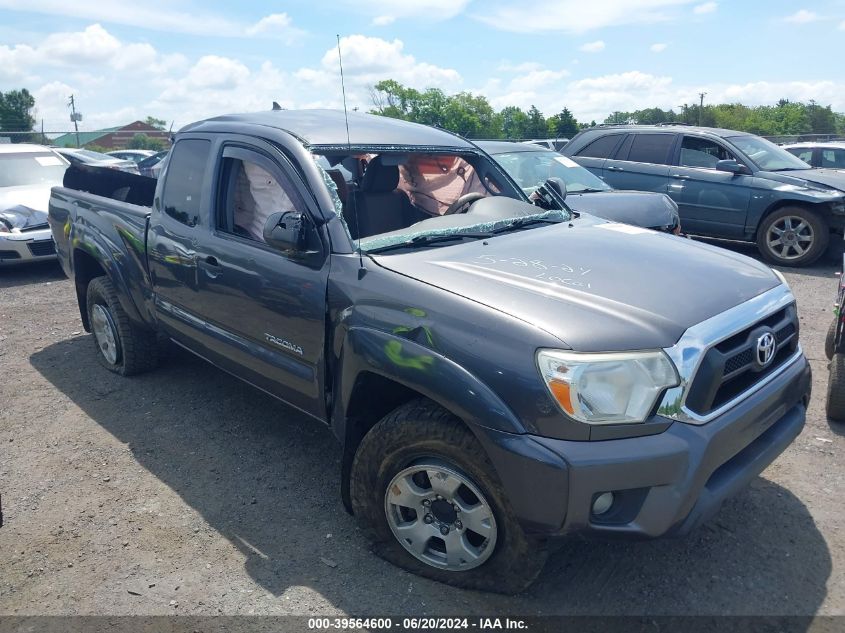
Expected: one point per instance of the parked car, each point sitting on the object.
(830, 155)
(497, 372)
(727, 184)
(96, 159)
(27, 172)
(135, 155)
(834, 348)
(530, 166)
(555, 144)
(152, 165)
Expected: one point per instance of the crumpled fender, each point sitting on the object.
(421, 369)
(90, 244)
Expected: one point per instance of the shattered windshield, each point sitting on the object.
(405, 197)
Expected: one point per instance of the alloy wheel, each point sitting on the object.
(440, 516)
(790, 237)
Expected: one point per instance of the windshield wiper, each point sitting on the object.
(587, 190)
(519, 223)
(427, 240)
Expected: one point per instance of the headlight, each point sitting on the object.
(780, 276)
(670, 204)
(613, 388)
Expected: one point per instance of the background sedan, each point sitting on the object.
(828, 155)
(27, 173)
(531, 165)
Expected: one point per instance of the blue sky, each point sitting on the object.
(183, 60)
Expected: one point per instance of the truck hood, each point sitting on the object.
(808, 177)
(594, 285)
(641, 208)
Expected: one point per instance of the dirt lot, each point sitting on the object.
(185, 491)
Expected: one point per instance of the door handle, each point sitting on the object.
(211, 266)
(679, 177)
(615, 169)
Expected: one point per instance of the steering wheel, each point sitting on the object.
(464, 201)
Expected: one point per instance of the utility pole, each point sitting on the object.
(701, 96)
(75, 116)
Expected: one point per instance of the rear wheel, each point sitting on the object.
(122, 347)
(425, 492)
(836, 389)
(793, 236)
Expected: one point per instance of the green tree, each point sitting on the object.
(563, 124)
(16, 114)
(471, 116)
(159, 124)
(822, 120)
(514, 122)
(142, 141)
(537, 127)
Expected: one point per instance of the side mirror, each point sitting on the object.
(551, 194)
(557, 185)
(731, 166)
(285, 231)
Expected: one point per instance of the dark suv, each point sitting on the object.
(727, 184)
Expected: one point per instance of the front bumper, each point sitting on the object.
(663, 484)
(27, 246)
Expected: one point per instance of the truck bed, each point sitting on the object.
(99, 219)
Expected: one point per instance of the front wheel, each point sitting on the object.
(792, 236)
(424, 490)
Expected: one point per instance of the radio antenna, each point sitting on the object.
(349, 147)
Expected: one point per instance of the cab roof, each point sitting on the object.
(328, 128)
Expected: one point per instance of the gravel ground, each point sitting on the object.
(185, 491)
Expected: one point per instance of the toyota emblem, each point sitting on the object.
(765, 349)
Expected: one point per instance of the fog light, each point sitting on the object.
(602, 503)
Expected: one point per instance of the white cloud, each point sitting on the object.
(658, 47)
(594, 98)
(385, 12)
(90, 48)
(592, 47)
(368, 60)
(536, 79)
(802, 17)
(156, 15)
(216, 85)
(574, 16)
(524, 67)
(707, 7)
(278, 26)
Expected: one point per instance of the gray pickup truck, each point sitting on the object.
(498, 372)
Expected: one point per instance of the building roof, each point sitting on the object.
(328, 128)
(69, 139)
